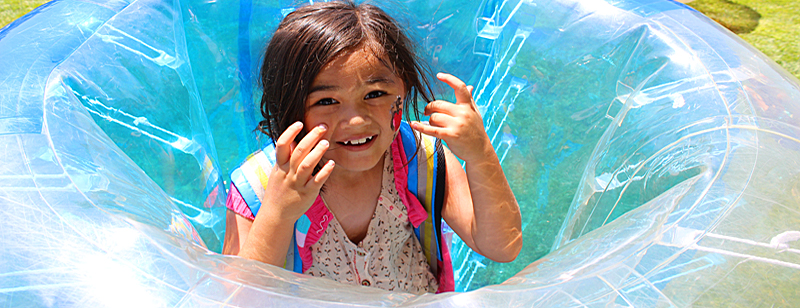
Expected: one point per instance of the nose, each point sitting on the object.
(355, 115)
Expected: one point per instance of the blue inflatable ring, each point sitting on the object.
(655, 155)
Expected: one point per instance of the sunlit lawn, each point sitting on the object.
(13, 9)
(772, 26)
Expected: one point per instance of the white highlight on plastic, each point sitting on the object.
(126, 41)
(781, 241)
(115, 284)
(109, 276)
(678, 102)
(683, 237)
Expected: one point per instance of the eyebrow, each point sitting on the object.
(322, 88)
(379, 79)
(371, 81)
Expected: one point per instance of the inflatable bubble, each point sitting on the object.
(655, 155)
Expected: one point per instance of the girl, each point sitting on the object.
(350, 192)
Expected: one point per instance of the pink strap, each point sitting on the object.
(236, 203)
(445, 276)
(319, 216)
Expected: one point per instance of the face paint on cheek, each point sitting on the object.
(397, 113)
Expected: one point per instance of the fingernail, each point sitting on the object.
(330, 163)
(297, 124)
(322, 127)
(324, 143)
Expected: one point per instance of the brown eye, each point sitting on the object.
(326, 102)
(374, 94)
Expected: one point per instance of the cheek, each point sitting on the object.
(312, 120)
(387, 115)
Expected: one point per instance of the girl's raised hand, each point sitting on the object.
(479, 204)
(459, 124)
(292, 186)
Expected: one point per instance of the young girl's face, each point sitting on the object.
(355, 96)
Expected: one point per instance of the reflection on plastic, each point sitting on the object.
(648, 147)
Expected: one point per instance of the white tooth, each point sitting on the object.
(359, 141)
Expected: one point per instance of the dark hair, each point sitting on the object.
(310, 37)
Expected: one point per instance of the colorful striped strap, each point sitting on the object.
(426, 176)
(252, 176)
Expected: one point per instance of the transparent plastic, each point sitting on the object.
(654, 154)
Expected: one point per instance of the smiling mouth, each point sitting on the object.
(357, 141)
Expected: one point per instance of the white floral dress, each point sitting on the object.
(389, 257)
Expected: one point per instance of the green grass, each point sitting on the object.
(772, 26)
(736, 17)
(778, 33)
(13, 9)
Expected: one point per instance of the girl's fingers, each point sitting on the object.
(284, 145)
(440, 107)
(322, 175)
(438, 132)
(441, 120)
(306, 167)
(306, 145)
(463, 95)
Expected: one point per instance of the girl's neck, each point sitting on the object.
(349, 179)
(353, 190)
(352, 198)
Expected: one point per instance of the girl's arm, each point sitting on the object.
(290, 191)
(479, 205)
(236, 229)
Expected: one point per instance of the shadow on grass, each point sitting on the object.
(736, 17)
